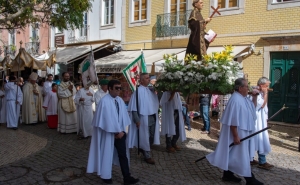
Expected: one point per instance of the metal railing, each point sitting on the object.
(10, 49)
(32, 48)
(83, 35)
(172, 24)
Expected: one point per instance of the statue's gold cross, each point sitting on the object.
(215, 11)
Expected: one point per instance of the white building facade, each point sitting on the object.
(104, 21)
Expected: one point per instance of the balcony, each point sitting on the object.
(8, 50)
(83, 33)
(173, 24)
(32, 48)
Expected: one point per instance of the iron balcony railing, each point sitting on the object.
(82, 37)
(32, 48)
(173, 24)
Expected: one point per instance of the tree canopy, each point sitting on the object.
(63, 14)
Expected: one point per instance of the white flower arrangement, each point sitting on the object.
(215, 73)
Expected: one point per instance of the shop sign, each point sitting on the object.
(59, 40)
(109, 69)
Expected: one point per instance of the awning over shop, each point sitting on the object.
(117, 62)
(71, 52)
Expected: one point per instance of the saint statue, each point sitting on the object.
(197, 45)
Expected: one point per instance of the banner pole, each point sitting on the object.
(95, 68)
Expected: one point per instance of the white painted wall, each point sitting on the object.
(112, 31)
(96, 29)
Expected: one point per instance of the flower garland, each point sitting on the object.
(215, 73)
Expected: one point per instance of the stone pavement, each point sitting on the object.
(38, 155)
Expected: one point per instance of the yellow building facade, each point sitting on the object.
(272, 26)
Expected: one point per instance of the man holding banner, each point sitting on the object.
(143, 107)
(145, 119)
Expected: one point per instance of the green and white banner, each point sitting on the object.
(133, 70)
(87, 70)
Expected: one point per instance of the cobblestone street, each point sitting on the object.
(38, 155)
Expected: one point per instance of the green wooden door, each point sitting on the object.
(285, 81)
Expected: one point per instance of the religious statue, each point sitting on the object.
(197, 45)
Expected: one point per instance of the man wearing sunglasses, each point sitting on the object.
(144, 113)
(109, 125)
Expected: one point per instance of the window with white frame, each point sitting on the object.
(281, 1)
(57, 31)
(34, 33)
(12, 37)
(83, 29)
(177, 12)
(275, 4)
(228, 7)
(139, 13)
(178, 6)
(108, 12)
(228, 3)
(139, 10)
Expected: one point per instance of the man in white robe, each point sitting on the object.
(48, 84)
(238, 122)
(32, 101)
(67, 117)
(84, 100)
(172, 120)
(108, 143)
(101, 92)
(14, 99)
(261, 141)
(50, 104)
(146, 119)
(2, 103)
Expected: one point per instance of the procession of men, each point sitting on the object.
(139, 126)
(114, 129)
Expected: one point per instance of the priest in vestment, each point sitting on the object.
(261, 142)
(32, 107)
(238, 121)
(2, 103)
(50, 104)
(145, 119)
(67, 117)
(84, 100)
(108, 143)
(14, 100)
(197, 44)
(102, 91)
(172, 124)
